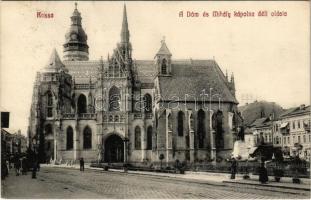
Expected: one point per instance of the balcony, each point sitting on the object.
(87, 116)
(138, 116)
(114, 117)
(148, 115)
(80, 116)
(68, 116)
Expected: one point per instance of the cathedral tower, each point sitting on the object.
(75, 47)
(163, 60)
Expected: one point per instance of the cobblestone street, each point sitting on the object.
(71, 183)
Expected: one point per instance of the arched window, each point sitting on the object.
(48, 129)
(81, 104)
(147, 103)
(87, 138)
(49, 104)
(149, 138)
(180, 128)
(164, 66)
(201, 128)
(69, 144)
(137, 138)
(218, 127)
(114, 99)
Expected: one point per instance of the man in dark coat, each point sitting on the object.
(17, 166)
(81, 164)
(233, 168)
(263, 174)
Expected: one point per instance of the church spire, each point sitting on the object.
(75, 47)
(125, 33)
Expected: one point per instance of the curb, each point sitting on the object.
(268, 186)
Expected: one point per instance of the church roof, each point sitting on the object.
(192, 78)
(55, 64)
(189, 77)
(82, 71)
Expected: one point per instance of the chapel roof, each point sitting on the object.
(195, 77)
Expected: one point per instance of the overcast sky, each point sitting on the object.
(269, 55)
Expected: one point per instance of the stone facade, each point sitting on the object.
(125, 110)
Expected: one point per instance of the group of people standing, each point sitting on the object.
(22, 164)
(263, 173)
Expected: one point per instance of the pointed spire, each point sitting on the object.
(54, 64)
(226, 75)
(163, 49)
(125, 33)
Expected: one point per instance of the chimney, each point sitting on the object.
(302, 106)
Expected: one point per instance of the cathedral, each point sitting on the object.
(122, 110)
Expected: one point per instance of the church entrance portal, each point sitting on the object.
(114, 149)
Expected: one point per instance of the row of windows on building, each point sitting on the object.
(87, 136)
(297, 124)
(114, 102)
(298, 139)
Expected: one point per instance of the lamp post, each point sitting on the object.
(125, 141)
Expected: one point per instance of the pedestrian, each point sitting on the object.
(233, 168)
(263, 174)
(17, 166)
(81, 164)
(24, 167)
(34, 169)
(38, 166)
(4, 170)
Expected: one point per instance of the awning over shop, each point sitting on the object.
(284, 124)
(252, 150)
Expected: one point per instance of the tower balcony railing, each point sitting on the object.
(87, 116)
(68, 116)
(79, 116)
(148, 115)
(138, 116)
(114, 117)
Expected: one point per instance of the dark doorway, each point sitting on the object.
(114, 149)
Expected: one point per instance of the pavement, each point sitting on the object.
(68, 182)
(218, 179)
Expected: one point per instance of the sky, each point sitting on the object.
(269, 56)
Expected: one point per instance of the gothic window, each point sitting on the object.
(147, 103)
(49, 104)
(87, 138)
(48, 129)
(164, 66)
(201, 128)
(180, 128)
(81, 104)
(218, 128)
(114, 99)
(69, 144)
(149, 138)
(137, 138)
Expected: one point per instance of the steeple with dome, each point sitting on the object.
(75, 47)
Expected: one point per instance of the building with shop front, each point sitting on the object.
(294, 128)
(126, 110)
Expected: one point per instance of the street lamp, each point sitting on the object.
(125, 140)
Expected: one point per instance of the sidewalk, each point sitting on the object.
(215, 178)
